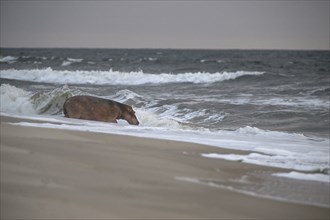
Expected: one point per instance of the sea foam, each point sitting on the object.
(15, 100)
(305, 176)
(112, 77)
(8, 59)
(269, 148)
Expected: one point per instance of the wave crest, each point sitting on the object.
(51, 103)
(16, 100)
(118, 78)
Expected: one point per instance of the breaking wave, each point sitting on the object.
(15, 100)
(118, 78)
(270, 148)
(8, 59)
(18, 101)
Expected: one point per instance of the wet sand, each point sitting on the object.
(61, 174)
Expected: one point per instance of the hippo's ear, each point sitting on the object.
(130, 109)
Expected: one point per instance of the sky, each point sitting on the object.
(166, 24)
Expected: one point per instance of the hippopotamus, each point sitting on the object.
(98, 109)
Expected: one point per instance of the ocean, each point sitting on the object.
(273, 103)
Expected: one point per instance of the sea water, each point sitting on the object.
(272, 103)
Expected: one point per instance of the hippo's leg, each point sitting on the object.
(72, 114)
(111, 119)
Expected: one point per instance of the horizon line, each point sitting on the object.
(154, 48)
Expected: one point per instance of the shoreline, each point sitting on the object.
(54, 173)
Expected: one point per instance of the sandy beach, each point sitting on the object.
(62, 174)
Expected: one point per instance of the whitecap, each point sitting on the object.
(15, 100)
(8, 59)
(74, 60)
(152, 59)
(69, 61)
(118, 78)
(271, 148)
(66, 63)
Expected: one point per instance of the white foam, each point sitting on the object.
(69, 61)
(296, 102)
(271, 148)
(305, 176)
(125, 95)
(152, 59)
(74, 60)
(291, 151)
(66, 63)
(302, 162)
(8, 59)
(278, 149)
(15, 100)
(291, 102)
(149, 119)
(117, 78)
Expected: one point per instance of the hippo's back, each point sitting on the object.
(91, 108)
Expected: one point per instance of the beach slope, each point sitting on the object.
(62, 174)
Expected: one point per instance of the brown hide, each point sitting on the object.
(98, 109)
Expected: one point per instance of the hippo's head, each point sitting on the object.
(129, 115)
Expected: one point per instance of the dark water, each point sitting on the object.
(291, 93)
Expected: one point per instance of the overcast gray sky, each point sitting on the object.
(166, 24)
